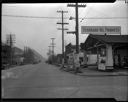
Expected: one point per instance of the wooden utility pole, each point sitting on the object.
(62, 23)
(77, 23)
(49, 53)
(10, 41)
(52, 45)
(25, 54)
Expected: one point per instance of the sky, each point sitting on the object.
(36, 33)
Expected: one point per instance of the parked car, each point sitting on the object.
(35, 62)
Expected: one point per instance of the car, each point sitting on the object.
(35, 62)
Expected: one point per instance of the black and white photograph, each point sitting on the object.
(64, 50)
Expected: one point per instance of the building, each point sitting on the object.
(59, 59)
(111, 50)
(69, 49)
(18, 56)
(5, 55)
(69, 54)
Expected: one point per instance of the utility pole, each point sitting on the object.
(10, 41)
(52, 45)
(77, 23)
(25, 54)
(62, 23)
(49, 53)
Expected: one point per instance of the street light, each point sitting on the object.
(71, 18)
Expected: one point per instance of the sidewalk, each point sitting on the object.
(93, 71)
(88, 72)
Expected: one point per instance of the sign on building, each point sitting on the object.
(100, 29)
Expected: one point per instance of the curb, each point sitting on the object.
(102, 75)
(97, 74)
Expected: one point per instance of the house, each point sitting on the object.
(111, 50)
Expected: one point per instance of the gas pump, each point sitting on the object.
(102, 59)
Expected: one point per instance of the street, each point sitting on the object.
(47, 81)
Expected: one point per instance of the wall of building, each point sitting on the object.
(91, 59)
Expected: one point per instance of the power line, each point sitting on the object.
(105, 18)
(33, 17)
(64, 17)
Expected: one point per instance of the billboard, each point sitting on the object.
(100, 29)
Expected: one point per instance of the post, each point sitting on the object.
(49, 59)
(10, 41)
(62, 40)
(10, 50)
(77, 29)
(97, 56)
(52, 49)
(62, 23)
(77, 23)
(109, 57)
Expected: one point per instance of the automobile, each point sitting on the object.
(35, 62)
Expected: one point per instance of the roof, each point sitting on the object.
(111, 38)
(71, 46)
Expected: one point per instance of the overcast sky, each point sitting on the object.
(37, 32)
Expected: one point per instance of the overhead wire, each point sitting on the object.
(31, 16)
(90, 8)
(64, 17)
(106, 16)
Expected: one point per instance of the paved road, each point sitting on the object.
(47, 81)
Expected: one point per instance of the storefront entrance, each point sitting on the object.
(120, 57)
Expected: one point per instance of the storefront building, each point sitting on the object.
(111, 50)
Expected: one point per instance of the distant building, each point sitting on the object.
(5, 54)
(59, 58)
(18, 56)
(69, 49)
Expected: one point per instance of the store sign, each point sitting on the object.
(100, 29)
